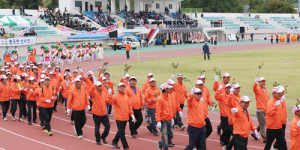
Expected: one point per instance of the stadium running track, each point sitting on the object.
(20, 135)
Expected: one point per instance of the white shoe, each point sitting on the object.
(110, 115)
(20, 119)
(80, 136)
(13, 118)
(274, 148)
(75, 130)
(5, 119)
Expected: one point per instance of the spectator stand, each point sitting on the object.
(287, 22)
(257, 23)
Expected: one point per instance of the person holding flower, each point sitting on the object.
(110, 88)
(144, 87)
(295, 128)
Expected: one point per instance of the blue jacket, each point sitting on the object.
(205, 48)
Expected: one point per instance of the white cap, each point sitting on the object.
(149, 74)
(39, 63)
(170, 81)
(245, 99)
(42, 80)
(103, 78)
(35, 67)
(127, 75)
(152, 79)
(51, 72)
(77, 79)
(98, 83)
(66, 74)
(261, 78)
(17, 77)
(79, 76)
(90, 73)
(43, 76)
(235, 85)
(27, 67)
(199, 82)
(16, 63)
(31, 78)
(43, 72)
(8, 73)
(227, 85)
(3, 77)
(197, 90)
(165, 86)
(2, 69)
(226, 75)
(121, 84)
(133, 77)
(21, 66)
(24, 75)
(31, 64)
(47, 78)
(201, 77)
(75, 71)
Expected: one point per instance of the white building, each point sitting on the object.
(150, 5)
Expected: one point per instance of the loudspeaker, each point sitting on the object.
(113, 34)
(242, 29)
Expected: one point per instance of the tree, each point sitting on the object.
(277, 6)
(46, 3)
(4, 4)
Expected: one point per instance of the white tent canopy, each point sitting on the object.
(14, 21)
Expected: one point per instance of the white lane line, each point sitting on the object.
(30, 139)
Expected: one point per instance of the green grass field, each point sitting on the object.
(281, 65)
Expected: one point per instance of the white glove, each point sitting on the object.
(133, 118)
(256, 134)
(48, 101)
(21, 89)
(212, 108)
(180, 114)
(124, 77)
(231, 91)
(201, 99)
(193, 91)
(216, 78)
(220, 87)
(10, 98)
(25, 90)
(298, 124)
(68, 111)
(101, 67)
(31, 90)
(109, 91)
(80, 70)
(277, 103)
(95, 82)
(89, 107)
(234, 110)
(101, 75)
(256, 81)
(53, 97)
(60, 87)
(282, 98)
(158, 125)
(172, 122)
(172, 77)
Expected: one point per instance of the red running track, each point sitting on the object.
(15, 134)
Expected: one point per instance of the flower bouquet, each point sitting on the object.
(175, 66)
(201, 72)
(126, 68)
(259, 67)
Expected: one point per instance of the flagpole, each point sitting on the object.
(138, 54)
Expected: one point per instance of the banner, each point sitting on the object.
(113, 27)
(21, 34)
(294, 31)
(17, 41)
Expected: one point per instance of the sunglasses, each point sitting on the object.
(198, 93)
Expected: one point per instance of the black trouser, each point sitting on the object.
(41, 116)
(139, 119)
(231, 142)
(237, 39)
(115, 47)
(271, 41)
(206, 53)
(5, 107)
(105, 121)
(121, 134)
(79, 119)
(127, 54)
(277, 40)
(91, 103)
(277, 134)
(225, 136)
(196, 138)
(240, 143)
(108, 108)
(14, 108)
(251, 39)
(55, 104)
(208, 127)
(276, 145)
(48, 115)
(33, 105)
(24, 110)
(178, 120)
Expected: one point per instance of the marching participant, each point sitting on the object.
(24, 79)
(262, 98)
(61, 56)
(42, 52)
(196, 121)
(47, 97)
(125, 79)
(274, 120)
(5, 93)
(47, 57)
(78, 98)
(92, 51)
(55, 84)
(135, 96)
(7, 58)
(99, 111)
(16, 88)
(104, 86)
(123, 110)
(78, 50)
(295, 128)
(14, 55)
(144, 87)
(110, 86)
(31, 57)
(31, 99)
(64, 88)
(242, 124)
(87, 50)
(37, 93)
(83, 50)
(151, 94)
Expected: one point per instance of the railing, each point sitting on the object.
(180, 26)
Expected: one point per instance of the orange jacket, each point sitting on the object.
(217, 85)
(149, 96)
(128, 47)
(181, 91)
(273, 115)
(31, 58)
(7, 58)
(122, 106)
(136, 100)
(242, 123)
(89, 83)
(262, 97)
(65, 89)
(115, 42)
(111, 85)
(99, 101)
(175, 103)
(196, 118)
(295, 134)
(288, 36)
(15, 91)
(37, 93)
(284, 112)
(125, 82)
(30, 96)
(222, 99)
(206, 100)
(105, 89)
(233, 102)
(46, 94)
(5, 92)
(145, 86)
(78, 99)
(163, 110)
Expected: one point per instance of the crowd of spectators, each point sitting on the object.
(134, 18)
(64, 19)
(102, 19)
(183, 20)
